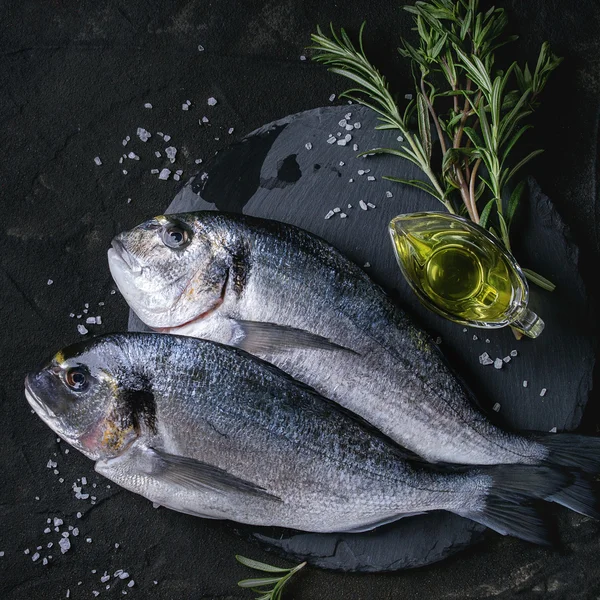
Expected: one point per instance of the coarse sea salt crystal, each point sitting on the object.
(485, 359)
(64, 544)
(496, 407)
(400, 138)
(47, 530)
(331, 140)
(97, 160)
(553, 430)
(361, 172)
(525, 383)
(154, 171)
(176, 177)
(131, 583)
(230, 130)
(164, 174)
(363, 205)
(337, 209)
(82, 329)
(357, 125)
(185, 107)
(75, 531)
(350, 180)
(355, 147)
(367, 265)
(35, 556)
(171, 153)
(50, 281)
(475, 338)
(408, 96)
(308, 146)
(342, 163)
(370, 178)
(543, 392)
(105, 577)
(99, 318)
(349, 127)
(371, 205)
(343, 123)
(498, 363)
(143, 134)
(91, 320)
(329, 214)
(343, 215)
(200, 48)
(506, 359)
(513, 353)
(212, 101)
(147, 105)
(388, 194)
(332, 98)
(342, 142)
(166, 137)
(349, 205)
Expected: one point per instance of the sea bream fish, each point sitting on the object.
(209, 430)
(290, 298)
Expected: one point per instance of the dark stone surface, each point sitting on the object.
(73, 80)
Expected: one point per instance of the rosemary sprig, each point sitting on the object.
(478, 111)
(278, 578)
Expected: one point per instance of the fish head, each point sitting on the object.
(79, 394)
(169, 269)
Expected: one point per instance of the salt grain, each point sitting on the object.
(143, 134)
(329, 214)
(212, 101)
(342, 142)
(230, 130)
(506, 359)
(133, 156)
(367, 265)
(485, 359)
(64, 544)
(361, 172)
(171, 153)
(200, 48)
(496, 407)
(342, 163)
(97, 160)
(332, 98)
(408, 96)
(513, 353)
(35, 556)
(343, 215)
(498, 363)
(166, 137)
(154, 171)
(308, 146)
(371, 205)
(355, 147)
(553, 430)
(82, 329)
(363, 205)
(147, 105)
(91, 320)
(388, 194)
(185, 107)
(357, 125)
(164, 174)
(543, 392)
(331, 140)
(50, 282)
(525, 383)
(131, 583)
(475, 338)
(350, 180)
(343, 123)
(88, 540)
(400, 138)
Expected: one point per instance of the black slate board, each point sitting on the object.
(273, 174)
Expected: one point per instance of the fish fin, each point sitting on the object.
(519, 520)
(268, 338)
(522, 482)
(582, 496)
(380, 523)
(192, 473)
(571, 450)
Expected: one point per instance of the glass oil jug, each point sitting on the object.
(459, 270)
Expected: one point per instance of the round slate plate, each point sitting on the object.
(288, 171)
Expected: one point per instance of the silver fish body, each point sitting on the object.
(211, 431)
(268, 287)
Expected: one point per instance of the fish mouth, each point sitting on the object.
(119, 253)
(40, 408)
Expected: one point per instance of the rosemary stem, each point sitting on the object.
(434, 117)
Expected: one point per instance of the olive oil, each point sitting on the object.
(459, 270)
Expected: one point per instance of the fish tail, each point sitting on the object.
(582, 496)
(571, 489)
(571, 450)
(508, 506)
(524, 521)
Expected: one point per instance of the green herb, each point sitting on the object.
(278, 580)
(477, 110)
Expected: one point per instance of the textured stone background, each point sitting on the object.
(73, 81)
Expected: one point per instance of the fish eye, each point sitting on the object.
(175, 237)
(77, 378)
